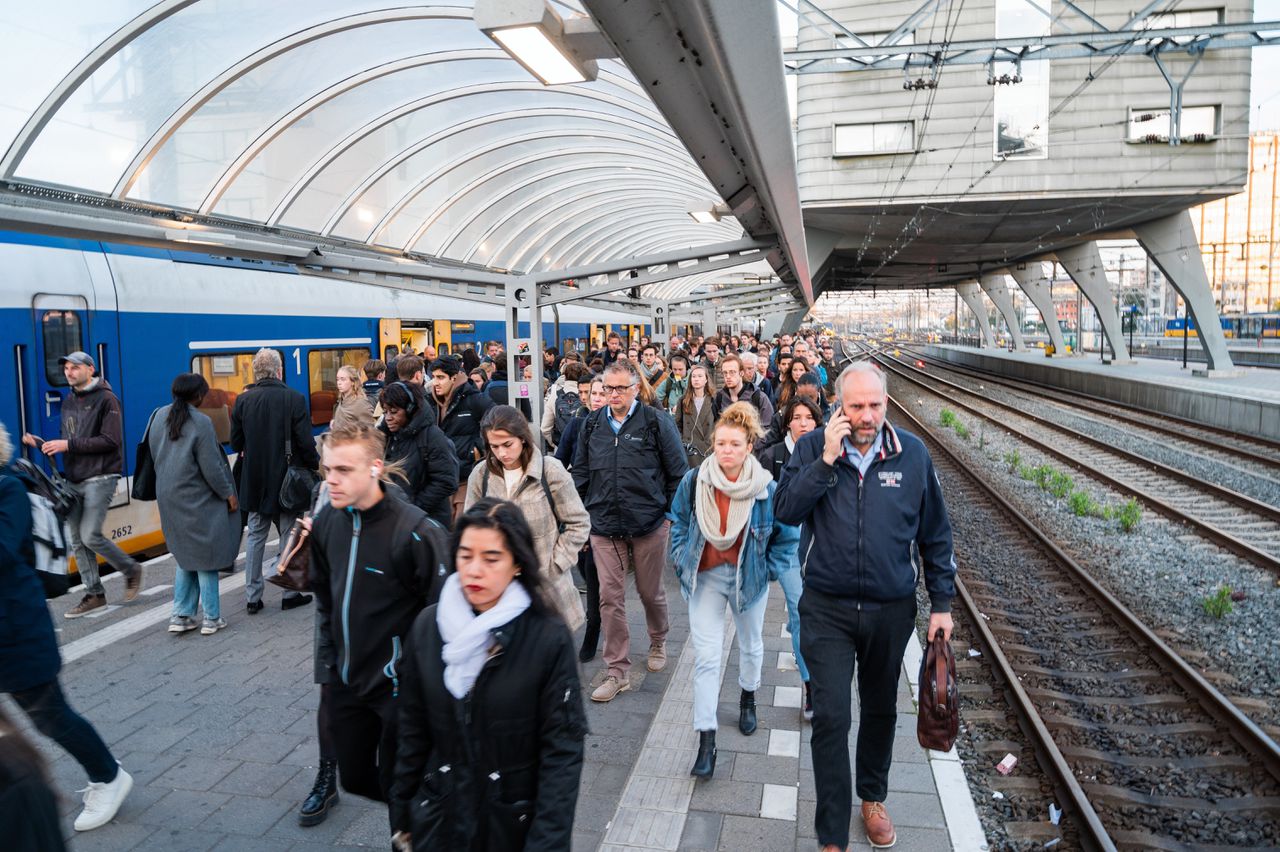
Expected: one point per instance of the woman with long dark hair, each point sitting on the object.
(788, 380)
(694, 417)
(491, 718)
(199, 512)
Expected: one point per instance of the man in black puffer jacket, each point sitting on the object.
(628, 464)
(424, 452)
(376, 562)
(459, 407)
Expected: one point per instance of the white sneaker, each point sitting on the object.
(102, 800)
(212, 626)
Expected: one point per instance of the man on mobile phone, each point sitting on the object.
(93, 445)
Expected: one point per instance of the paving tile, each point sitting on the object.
(371, 828)
(259, 779)
(649, 829)
(177, 836)
(765, 769)
(754, 832)
(701, 831)
(115, 835)
(196, 773)
(725, 796)
(245, 815)
(784, 743)
(778, 801)
(180, 806)
(788, 696)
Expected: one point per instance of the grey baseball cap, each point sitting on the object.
(81, 358)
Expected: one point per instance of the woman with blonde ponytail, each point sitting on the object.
(725, 544)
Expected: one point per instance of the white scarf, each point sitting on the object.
(752, 481)
(466, 635)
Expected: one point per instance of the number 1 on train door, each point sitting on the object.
(297, 361)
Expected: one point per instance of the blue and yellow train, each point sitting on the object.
(147, 315)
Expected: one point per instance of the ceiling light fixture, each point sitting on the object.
(557, 51)
(706, 212)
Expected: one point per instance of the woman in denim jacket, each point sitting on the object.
(725, 545)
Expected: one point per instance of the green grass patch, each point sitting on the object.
(1059, 484)
(1218, 604)
(1083, 505)
(948, 418)
(1129, 515)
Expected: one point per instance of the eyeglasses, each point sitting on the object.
(612, 389)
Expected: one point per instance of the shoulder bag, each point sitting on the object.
(293, 568)
(298, 482)
(144, 468)
(938, 721)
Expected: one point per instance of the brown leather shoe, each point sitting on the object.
(657, 656)
(879, 827)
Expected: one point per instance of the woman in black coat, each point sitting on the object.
(491, 718)
(424, 453)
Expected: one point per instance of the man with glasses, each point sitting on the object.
(626, 467)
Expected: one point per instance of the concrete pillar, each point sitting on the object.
(1171, 243)
(1084, 264)
(1039, 290)
(996, 287)
(972, 296)
(792, 321)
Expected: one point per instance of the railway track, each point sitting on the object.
(1255, 450)
(1236, 522)
(1142, 750)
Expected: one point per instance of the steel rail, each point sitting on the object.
(1215, 534)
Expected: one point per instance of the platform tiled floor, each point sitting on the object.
(219, 734)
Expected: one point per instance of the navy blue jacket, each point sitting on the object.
(857, 533)
(28, 648)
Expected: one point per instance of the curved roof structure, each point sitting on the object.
(393, 126)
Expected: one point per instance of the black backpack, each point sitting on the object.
(567, 405)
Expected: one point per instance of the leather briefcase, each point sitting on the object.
(938, 721)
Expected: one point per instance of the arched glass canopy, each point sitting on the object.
(396, 125)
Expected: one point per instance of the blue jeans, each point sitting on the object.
(188, 585)
(792, 585)
(715, 589)
(48, 710)
(85, 527)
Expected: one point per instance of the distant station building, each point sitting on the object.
(935, 150)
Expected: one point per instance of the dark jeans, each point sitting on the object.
(48, 710)
(587, 565)
(364, 741)
(324, 724)
(838, 636)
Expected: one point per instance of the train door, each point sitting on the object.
(61, 326)
(444, 337)
(388, 339)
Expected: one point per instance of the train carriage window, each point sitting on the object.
(322, 377)
(228, 374)
(62, 334)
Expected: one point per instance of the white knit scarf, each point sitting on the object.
(753, 480)
(466, 635)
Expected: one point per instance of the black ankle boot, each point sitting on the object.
(747, 713)
(704, 766)
(590, 641)
(324, 795)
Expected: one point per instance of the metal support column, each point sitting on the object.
(1171, 243)
(522, 294)
(1084, 264)
(972, 297)
(1039, 290)
(997, 289)
(660, 325)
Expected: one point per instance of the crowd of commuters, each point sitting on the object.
(452, 543)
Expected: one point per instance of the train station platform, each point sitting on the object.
(219, 735)
(1246, 401)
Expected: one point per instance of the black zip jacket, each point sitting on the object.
(94, 431)
(372, 573)
(429, 463)
(497, 771)
(627, 480)
(460, 422)
(857, 532)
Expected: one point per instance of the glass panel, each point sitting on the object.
(260, 188)
(1155, 125)
(331, 187)
(228, 374)
(61, 333)
(188, 165)
(41, 48)
(99, 130)
(322, 379)
(881, 137)
(1021, 127)
(451, 172)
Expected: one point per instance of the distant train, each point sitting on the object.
(1236, 326)
(146, 315)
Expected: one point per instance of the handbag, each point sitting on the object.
(293, 569)
(693, 456)
(938, 721)
(298, 482)
(144, 467)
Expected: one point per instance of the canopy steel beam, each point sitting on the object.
(625, 273)
(728, 292)
(1153, 41)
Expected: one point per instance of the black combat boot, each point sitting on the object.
(704, 766)
(747, 713)
(324, 795)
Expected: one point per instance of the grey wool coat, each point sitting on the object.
(193, 482)
(557, 551)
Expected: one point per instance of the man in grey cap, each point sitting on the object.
(93, 441)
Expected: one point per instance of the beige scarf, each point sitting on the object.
(752, 481)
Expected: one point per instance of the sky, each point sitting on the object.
(1265, 94)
